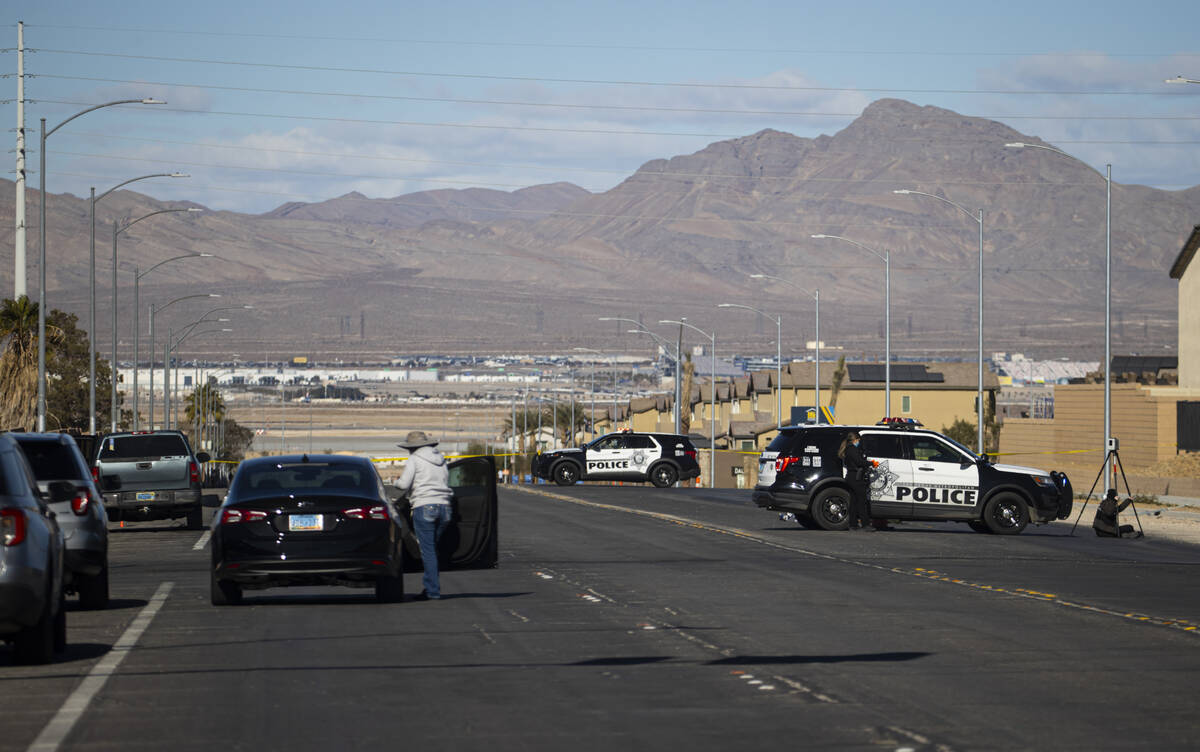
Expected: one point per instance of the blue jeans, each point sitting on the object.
(429, 522)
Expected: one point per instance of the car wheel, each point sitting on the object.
(195, 518)
(830, 509)
(93, 590)
(35, 644)
(389, 589)
(566, 473)
(1006, 514)
(224, 592)
(978, 526)
(663, 475)
(806, 522)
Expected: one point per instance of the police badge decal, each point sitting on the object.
(883, 482)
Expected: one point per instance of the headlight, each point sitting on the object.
(1045, 481)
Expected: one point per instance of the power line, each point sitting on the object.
(573, 46)
(531, 128)
(557, 105)
(605, 82)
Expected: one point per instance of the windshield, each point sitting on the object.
(51, 460)
(143, 446)
(963, 448)
(276, 478)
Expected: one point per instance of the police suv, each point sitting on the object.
(921, 475)
(661, 458)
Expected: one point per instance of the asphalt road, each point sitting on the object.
(635, 618)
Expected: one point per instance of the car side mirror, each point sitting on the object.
(203, 457)
(61, 490)
(110, 483)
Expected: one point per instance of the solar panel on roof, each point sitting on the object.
(907, 372)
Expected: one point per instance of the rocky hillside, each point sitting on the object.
(483, 270)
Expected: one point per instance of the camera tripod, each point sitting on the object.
(1112, 456)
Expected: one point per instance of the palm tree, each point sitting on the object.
(18, 361)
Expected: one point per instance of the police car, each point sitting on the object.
(921, 475)
(661, 458)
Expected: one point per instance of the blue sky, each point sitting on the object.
(272, 102)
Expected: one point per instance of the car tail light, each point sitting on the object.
(234, 516)
(194, 470)
(95, 474)
(80, 504)
(12, 526)
(690, 452)
(782, 463)
(378, 512)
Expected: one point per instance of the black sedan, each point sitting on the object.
(306, 520)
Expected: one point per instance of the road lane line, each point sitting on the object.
(203, 540)
(73, 708)
(1182, 625)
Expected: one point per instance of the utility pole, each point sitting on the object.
(19, 233)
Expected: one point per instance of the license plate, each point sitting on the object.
(145, 496)
(306, 522)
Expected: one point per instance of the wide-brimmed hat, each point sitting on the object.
(416, 440)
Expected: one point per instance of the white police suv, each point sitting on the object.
(921, 475)
(660, 458)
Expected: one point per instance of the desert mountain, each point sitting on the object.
(482, 271)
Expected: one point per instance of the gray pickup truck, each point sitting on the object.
(158, 473)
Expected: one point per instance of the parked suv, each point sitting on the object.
(159, 476)
(661, 458)
(56, 457)
(32, 616)
(922, 475)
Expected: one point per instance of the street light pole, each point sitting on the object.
(778, 358)
(117, 230)
(979, 417)
(92, 296)
(137, 307)
(816, 296)
(678, 363)
(154, 310)
(712, 416)
(45, 134)
(886, 256)
(1108, 440)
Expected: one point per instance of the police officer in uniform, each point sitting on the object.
(858, 470)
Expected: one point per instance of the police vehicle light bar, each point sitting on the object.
(900, 423)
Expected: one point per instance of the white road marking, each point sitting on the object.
(73, 708)
(203, 540)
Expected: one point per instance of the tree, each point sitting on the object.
(67, 374)
(18, 363)
(685, 394)
(835, 383)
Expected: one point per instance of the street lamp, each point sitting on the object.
(1108, 441)
(92, 266)
(678, 387)
(979, 219)
(778, 357)
(45, 134)
(137, 360)
(712, 416)
(887, 317)
(592, 423)
(117, 230)
(678, 361)
(154, 310)
(191, 332)
(816, 296)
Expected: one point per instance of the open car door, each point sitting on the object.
(471, 541)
